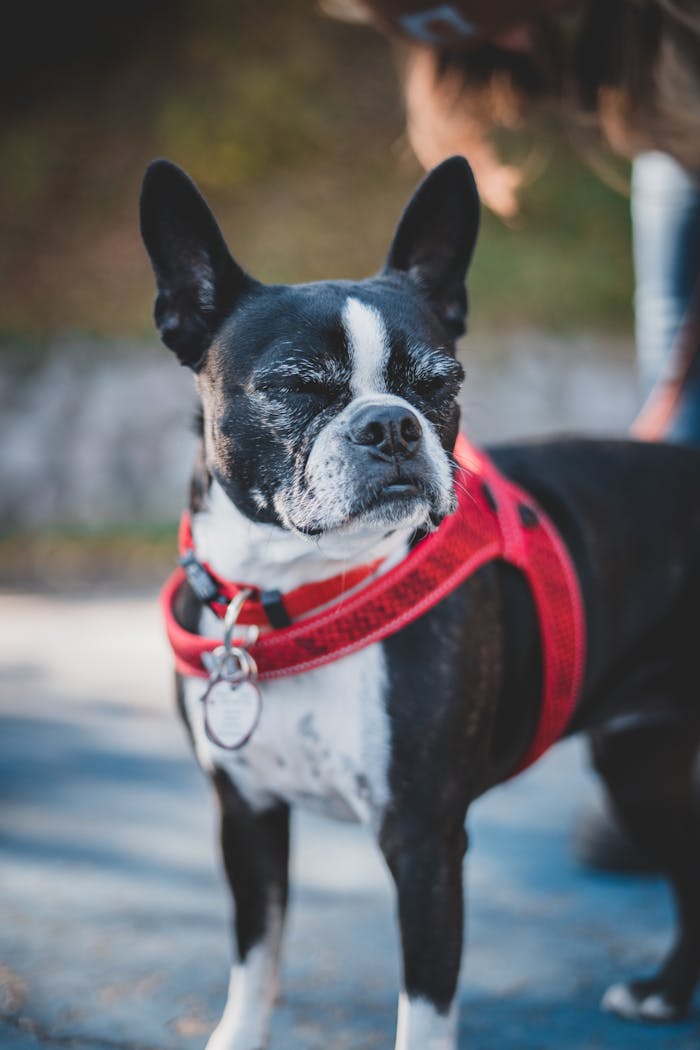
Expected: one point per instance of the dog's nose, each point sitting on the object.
(386, 430)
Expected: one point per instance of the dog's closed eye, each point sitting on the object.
(283, 380)
(427, 385)
(430, 374)
(317, 386)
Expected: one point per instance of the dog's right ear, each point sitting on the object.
(198, 280)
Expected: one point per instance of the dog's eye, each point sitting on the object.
(443, 382)
(429, 385)
(312, 387)
(285, 384)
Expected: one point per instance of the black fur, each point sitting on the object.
(435, 239)
(198, 281)
(274, 359)
(465, 680)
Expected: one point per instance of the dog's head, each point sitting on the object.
(327, 407)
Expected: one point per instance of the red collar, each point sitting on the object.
(264, 608)
(495, 519)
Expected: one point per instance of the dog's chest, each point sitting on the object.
(322, 740)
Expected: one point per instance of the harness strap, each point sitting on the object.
(495, 519)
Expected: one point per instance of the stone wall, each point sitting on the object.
(96, 435)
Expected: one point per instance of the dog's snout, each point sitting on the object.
(387, 430)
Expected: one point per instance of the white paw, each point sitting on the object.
(222, 1038)
(621, 1000)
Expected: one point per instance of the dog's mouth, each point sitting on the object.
(395, 502)
(401, 488)
(373, 499)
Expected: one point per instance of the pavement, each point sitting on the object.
(114, 919)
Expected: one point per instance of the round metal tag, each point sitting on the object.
(231, 712)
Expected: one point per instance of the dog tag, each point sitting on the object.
(231, 711)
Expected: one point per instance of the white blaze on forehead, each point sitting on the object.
(368, 343)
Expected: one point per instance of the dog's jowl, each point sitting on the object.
(385, 621)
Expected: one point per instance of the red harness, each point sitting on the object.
(495, 519)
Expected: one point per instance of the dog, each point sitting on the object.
(329, 418)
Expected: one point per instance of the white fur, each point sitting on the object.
(619, 999)
(428, 362)
(251, 993)
(656, 1008)
(331, 482)
(322, 740)
(369, 347)
(271, 557)
(421, 1027)
(323, 737)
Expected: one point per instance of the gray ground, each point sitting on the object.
(113, 913)
(113, 931)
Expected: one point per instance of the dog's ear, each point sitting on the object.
(198, 280)
(435, 239)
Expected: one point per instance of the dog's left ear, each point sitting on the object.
(435, 239)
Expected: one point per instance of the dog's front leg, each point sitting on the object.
(256, 852)
(426, 863)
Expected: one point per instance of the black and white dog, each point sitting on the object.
(329, 416)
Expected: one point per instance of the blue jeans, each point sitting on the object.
(666, 243)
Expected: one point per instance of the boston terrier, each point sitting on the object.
(329, 417)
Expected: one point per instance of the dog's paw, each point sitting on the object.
(640, 1001)
(225, 1038)
(220, 1041)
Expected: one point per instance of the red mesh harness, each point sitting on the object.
(495, 519)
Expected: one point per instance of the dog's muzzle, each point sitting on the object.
(376, 465)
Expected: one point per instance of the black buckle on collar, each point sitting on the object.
(275, 611)
(203, 585)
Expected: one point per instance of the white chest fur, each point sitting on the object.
(322, 740)
(323, 736)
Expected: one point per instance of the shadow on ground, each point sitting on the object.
(114, 929)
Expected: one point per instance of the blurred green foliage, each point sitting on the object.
(291, 124)
(80, 558)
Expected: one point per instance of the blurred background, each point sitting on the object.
(291, 124)
(113, 911)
